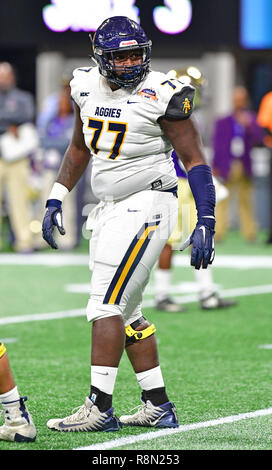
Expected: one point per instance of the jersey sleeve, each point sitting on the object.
(175, 97)
(74, 87)
(77, 83)
(181, 104)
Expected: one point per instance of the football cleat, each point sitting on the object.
(213, 302)
(162, 416)
(168, 305)
(18, 426)
(86, 418)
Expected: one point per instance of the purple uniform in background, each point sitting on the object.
(180, 173)
(226, 129)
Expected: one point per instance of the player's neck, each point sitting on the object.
(113, 86)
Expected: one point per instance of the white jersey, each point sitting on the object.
(121, 129)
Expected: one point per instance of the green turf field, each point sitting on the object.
(216, 365)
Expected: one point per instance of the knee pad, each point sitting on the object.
(2, 349)
(133, 335)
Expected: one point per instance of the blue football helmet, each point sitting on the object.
(120, 33)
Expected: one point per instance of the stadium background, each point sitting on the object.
(224, 358)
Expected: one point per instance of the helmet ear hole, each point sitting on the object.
(120, 33)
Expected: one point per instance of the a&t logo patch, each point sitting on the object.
(186, 105)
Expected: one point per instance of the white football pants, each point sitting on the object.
(127, 239)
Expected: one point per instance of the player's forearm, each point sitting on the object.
(190, 149)
(74, 164)
(199, 175)
(186, 141)
(191, 154)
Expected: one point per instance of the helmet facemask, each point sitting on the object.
(126, 76)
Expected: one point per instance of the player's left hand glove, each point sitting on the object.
(52, 218)
(202, 240)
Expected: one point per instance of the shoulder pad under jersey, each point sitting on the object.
(81, 77)
(174, 98)
(180, 105)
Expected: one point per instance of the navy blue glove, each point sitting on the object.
(52, 218)
(202, 240)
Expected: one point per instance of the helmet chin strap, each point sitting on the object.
(128, 77)
(129, 72)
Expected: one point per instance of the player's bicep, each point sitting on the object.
(186, 141)
(77, 156)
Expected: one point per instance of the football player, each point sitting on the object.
(18, 425)
(129, 118)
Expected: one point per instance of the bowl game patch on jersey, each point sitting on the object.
(148, 93)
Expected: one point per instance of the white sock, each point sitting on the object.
(150, 379)
(162, 283)
(11, 395)
(205, 283)
(103, 378)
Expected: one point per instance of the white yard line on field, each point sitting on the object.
(235, 292)
(8, 340)
(73, 259)
(232, 261)
(45, 259)
(240, 291)
(43, 316)
(181, 288)
(147, 436)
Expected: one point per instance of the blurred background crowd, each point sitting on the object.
(224, 50)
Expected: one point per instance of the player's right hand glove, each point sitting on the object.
(202, 240)
(52, 218)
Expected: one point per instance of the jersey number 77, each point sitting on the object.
(120, 129)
